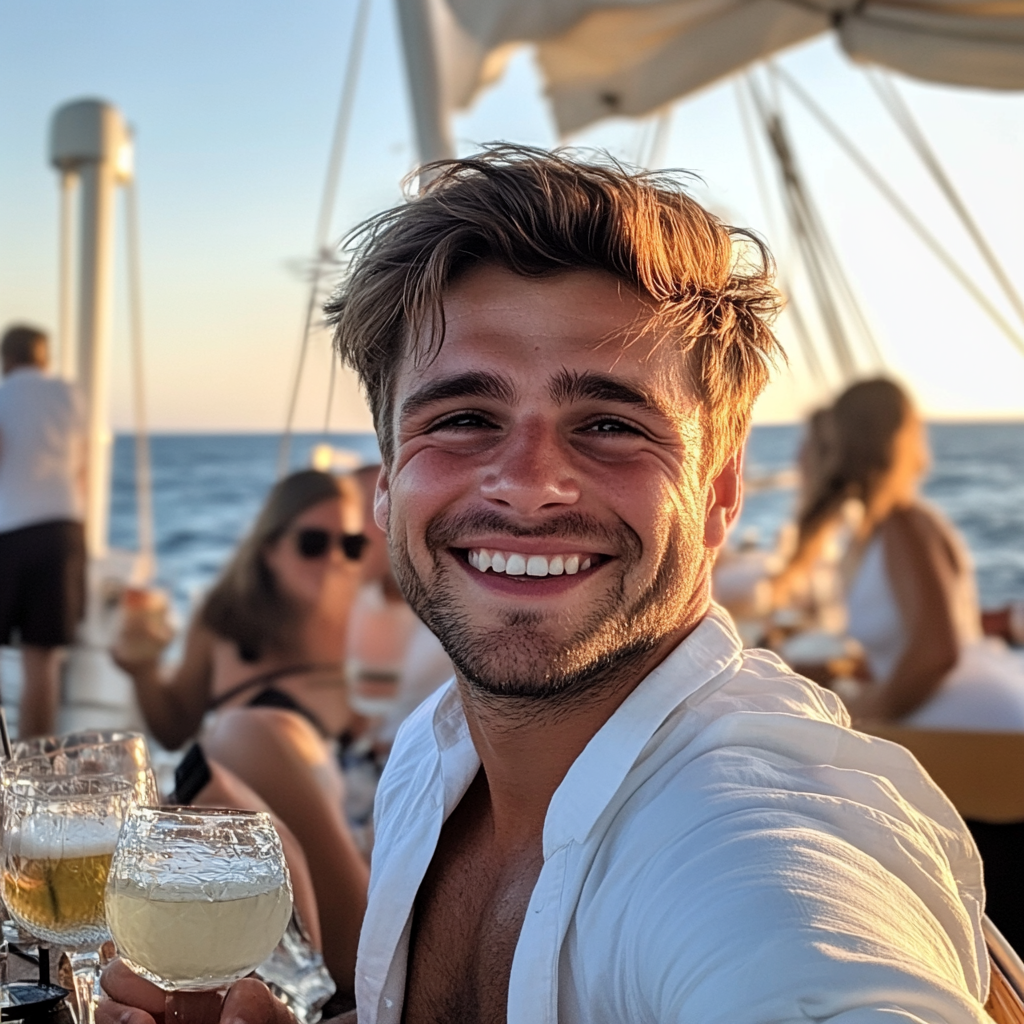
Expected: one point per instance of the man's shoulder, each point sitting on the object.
(758, 824)
(37, 385)
(764, 682)
(768, 761)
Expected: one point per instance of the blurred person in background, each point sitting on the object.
(811, 580)
(419, 662)
(910, 590)
(266, 652)
(42, 505)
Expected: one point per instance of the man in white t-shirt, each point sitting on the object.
(42, 543)
(614, 814)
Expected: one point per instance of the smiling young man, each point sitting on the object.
(614, 813)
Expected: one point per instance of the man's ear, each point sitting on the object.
(725, 498)
(382, 500)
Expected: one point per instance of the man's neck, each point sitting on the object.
(525, 755)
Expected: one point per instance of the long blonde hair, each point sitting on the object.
(861, 431)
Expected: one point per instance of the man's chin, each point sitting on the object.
(527, 666)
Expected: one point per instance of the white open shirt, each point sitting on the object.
(724, 850)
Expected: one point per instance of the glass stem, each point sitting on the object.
(86, 966)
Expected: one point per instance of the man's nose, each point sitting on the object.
(531, 471)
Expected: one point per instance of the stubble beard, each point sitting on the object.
(523, 659)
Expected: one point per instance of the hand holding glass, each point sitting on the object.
(197, 898)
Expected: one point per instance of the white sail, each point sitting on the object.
(629, 57)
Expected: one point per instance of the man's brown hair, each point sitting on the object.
(23, 346)
(537, 213)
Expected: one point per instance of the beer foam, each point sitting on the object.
(56, 838)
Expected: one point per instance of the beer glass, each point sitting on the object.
(59, 834)
(95, 752)
(197, 898)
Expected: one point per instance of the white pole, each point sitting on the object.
(90, 137)
(423, 70)
(95, 320)
(68, 181)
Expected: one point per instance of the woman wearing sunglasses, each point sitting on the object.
(265, 653)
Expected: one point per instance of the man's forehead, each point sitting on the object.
(572, 324)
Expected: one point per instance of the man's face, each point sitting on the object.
(545, 506)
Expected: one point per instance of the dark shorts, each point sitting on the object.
(42, 583)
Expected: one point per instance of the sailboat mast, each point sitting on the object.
(90, 140)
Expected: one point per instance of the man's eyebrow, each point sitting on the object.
(570, 386)
(473, 384)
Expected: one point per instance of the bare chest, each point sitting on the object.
(468, 916)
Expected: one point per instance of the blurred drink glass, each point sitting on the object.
(59, 834)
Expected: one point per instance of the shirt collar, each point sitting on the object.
(711, 650)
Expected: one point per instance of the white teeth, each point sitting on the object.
(515, 565)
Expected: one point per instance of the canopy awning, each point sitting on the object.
(629, 57)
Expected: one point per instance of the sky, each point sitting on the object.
(233, 105)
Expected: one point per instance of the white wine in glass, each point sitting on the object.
(197, 898)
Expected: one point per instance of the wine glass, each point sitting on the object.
(59, 834)
(196, 899)
(94, 752)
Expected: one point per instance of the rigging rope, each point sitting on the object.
(887, 191)
(143, 464)
(803, 335)
(322, 252)
(821, 263)
(660, 137)
(897, 107)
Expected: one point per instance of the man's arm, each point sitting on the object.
(775, 916)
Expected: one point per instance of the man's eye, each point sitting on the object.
(460, 421)
(611, 427)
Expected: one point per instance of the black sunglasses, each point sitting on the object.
(315, 543)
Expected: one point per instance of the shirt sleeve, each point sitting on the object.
(752, 887)
(782, 921)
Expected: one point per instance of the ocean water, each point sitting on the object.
(208, 488)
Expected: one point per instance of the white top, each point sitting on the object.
(724, 850)
(984, 691)
(42, 448)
